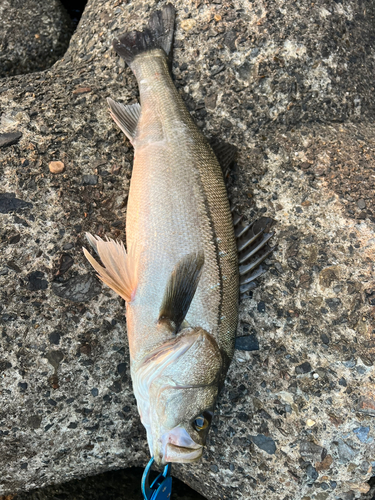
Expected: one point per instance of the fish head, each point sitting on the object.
(182, 382)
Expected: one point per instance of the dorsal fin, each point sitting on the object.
(225, 153)
(125, 117)
(180, 290)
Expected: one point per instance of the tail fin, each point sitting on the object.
(158, 34)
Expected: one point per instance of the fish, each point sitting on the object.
(179, 274)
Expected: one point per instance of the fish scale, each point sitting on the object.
(179, 275)
(178, 204)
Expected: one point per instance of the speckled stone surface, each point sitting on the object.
(33, 35)
(291, 84)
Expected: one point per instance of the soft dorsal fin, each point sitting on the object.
(225, 153)
(126, 117)
(119, 272)
(180, 290)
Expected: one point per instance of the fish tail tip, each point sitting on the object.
(157, 35)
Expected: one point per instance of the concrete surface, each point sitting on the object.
(291, 84)
(33, 35)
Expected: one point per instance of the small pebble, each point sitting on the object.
(187, 24)
(56, 167)
(316, 376)
(81, 90)
(303, 368)
(90, 180)
(261, 306)
(324, 338)
(361, 204)
(364, 487)
(360, 432)
(54, 338)
(310, 422)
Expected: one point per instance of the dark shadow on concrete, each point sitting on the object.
(75, 9)
(114, 485)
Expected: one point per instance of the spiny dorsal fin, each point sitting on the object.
(126, 117)
(119, 272)
(253, 249)
(180, 290)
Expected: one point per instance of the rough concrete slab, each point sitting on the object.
(33, 35)
(291, 84)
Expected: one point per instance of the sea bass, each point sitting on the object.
(179, 275)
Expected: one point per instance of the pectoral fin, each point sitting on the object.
(126, 117)
(181, 289)
(119, 271)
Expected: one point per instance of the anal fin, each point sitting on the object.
(125, 117)
(119, 271)
(180, 290)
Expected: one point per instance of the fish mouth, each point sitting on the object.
(182, 455)
(178, 446)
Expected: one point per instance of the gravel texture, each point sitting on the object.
(290, 83)
(33, 35)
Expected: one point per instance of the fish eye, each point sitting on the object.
(201, 422)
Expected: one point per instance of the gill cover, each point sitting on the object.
(174, 385)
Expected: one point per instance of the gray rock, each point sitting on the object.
(36, 281)
(34, 421)
(247, 343)
(54, 358)
(4, 365)
(81, 288)
(9, 203)
(33, 35)
(362, 433)
(348, 495)
(361, 204)
(311, 473)
(265, 443)
(303, 368)
(311, 451)
(91, 180)
(302, 121)
(244, 71)
(54, 337)
(345, 451)
(9, 139)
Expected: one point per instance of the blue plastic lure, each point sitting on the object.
(161, 487)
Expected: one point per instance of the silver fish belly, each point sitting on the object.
(179, 276)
